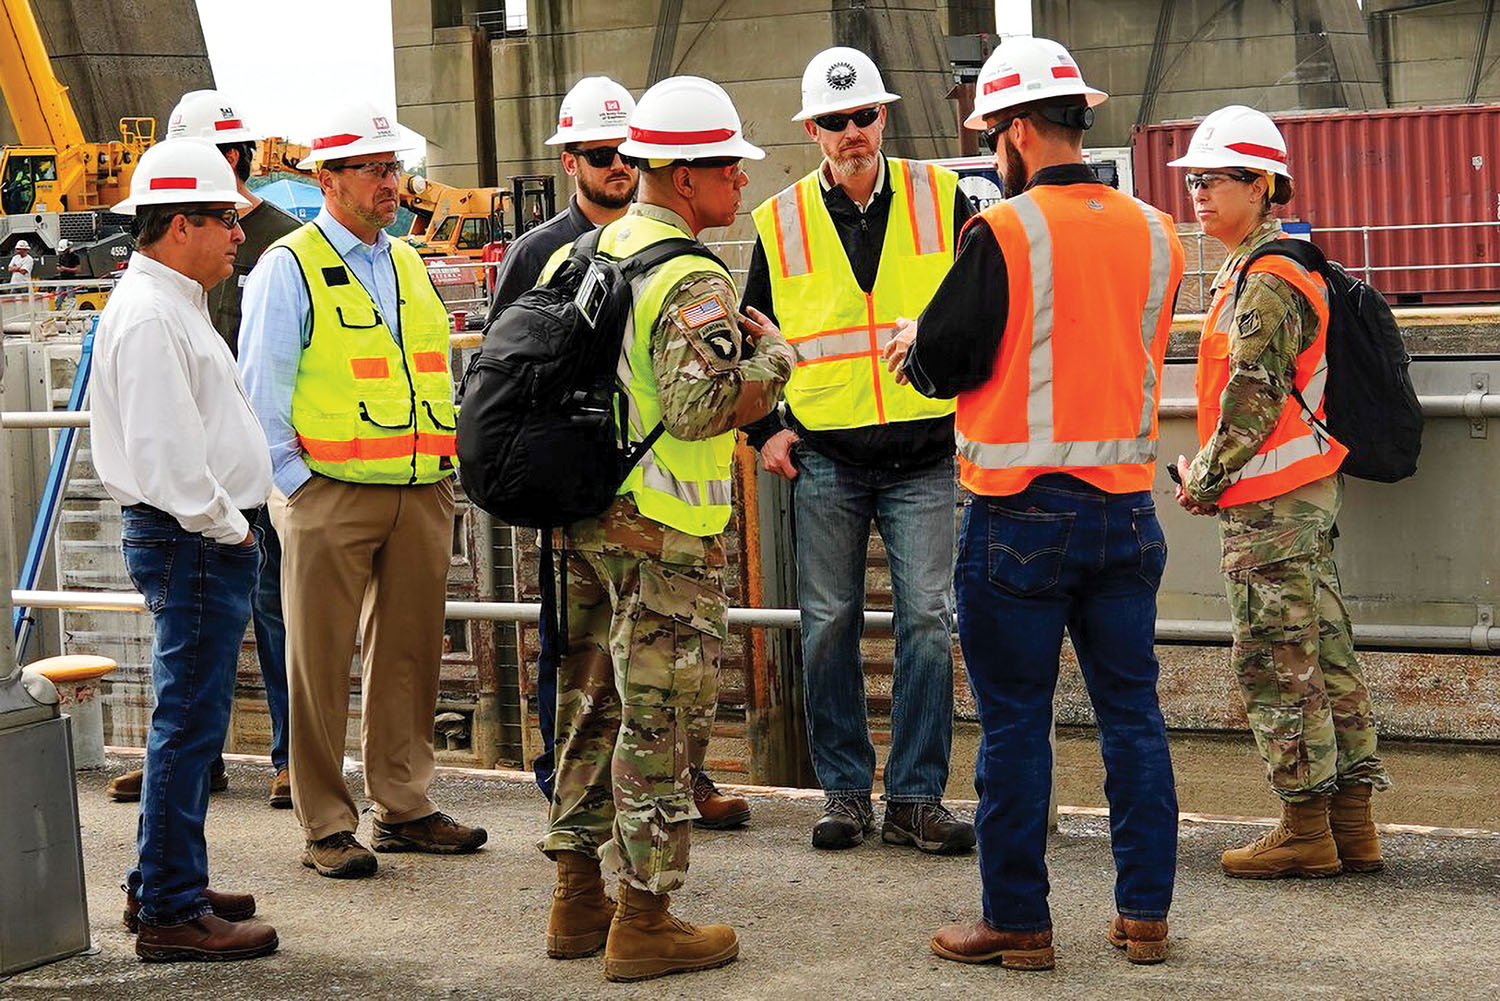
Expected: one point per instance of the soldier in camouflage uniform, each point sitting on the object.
(647, 610)
(1271, 475)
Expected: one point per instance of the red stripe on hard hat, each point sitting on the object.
(228, 123)
(1002, 83)
(1251, 149)
(338, 140)
(667, 138)
(173, 183)
(1064, 71)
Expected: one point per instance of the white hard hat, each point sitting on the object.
(207, 114)
(64, 244)
(356, 128)
(596, 108)
(22, 245)
(1025, 69)
(181, 172)
(1236, 136)
(687, 118)
(838, 79)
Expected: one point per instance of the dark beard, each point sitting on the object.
(601, 196)
(1015, 170)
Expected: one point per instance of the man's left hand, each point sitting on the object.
(899, 347)
(1188, 504)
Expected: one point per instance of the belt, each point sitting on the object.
(250, 514)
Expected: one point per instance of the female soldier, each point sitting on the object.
(1270, 470)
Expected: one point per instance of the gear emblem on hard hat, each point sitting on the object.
(841, 76)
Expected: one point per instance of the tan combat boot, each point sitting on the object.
(1301, 845)
(1354, 829)
(581, 910)
(646, 941)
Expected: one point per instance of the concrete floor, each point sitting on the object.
(848, 925)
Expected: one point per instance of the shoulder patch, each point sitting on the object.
(721, 343)
(703, 312)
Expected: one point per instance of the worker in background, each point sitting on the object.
(840, 256)
(1270, 470)
(1052, 330)
(647, 610)
(69, 263)
(344, 351)
(210, 116)
(21, 264)
(177, 446)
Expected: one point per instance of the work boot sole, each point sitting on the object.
(356, 868)
(1010, 959)
(1375, 865)
(180, 953)
(737, 819)
(893, 835)
(576, 946)
(1142, 953)
(835, 841)
(132, 922)
(469, 844)
(123, 797)
(629, 970)
(280, 802)
(1301, 871)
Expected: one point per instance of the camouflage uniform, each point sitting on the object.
(1304, 691)
(647, 616)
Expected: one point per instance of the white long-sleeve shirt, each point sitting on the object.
(171, 426)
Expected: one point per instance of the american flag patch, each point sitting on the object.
(701, 312)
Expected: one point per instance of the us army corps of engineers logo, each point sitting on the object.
(841, 76)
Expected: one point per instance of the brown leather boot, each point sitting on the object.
(206, 938)
(581, 910)
(646, 940)
(126, 788)
(280, 793)
(719, 810)
(1143, 941)
(229, 906)
(436, 834)
(977, 942)
(1301, 845)
(1353, 826)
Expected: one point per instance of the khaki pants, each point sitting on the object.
(373, 559)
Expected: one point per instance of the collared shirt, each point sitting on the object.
(277, 322)
(170, 424)
(528, 255)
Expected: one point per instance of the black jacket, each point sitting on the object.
(530, 252)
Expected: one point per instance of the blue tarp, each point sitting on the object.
(302, 200)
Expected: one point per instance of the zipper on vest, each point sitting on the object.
(410, 383)
(874, 358)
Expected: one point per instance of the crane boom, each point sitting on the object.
(37, 100)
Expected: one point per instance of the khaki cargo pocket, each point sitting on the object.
(681, 622)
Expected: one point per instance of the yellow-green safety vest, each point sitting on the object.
(837, 329)
(681, 484)
(366, 409)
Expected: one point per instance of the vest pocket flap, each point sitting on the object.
(391, 415)
(441, 415)
(357, 317)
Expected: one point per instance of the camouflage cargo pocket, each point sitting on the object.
(681, 624)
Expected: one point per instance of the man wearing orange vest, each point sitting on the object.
(842, 255)
(1270, 469)
(1051, 330)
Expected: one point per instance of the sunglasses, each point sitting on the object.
(992, 134)
(1209, 179)
(376, 170)
(837, 122)
(229, 217)
(599, 157)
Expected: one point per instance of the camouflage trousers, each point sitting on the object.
(636, 695)
(1304, 691)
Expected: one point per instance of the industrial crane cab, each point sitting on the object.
(28, 181)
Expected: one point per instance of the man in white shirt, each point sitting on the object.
(21, 263)
(176, 444)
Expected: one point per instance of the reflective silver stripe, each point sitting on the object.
(657, 477)
(1063, 454)
(854, 342)
(1039, 364)
(1282, 456)
(1156, 296)
(928, 236)
(796, 257)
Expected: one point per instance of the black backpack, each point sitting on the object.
(1370, 403)
(543, 438)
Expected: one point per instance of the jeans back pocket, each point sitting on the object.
(1152, 543)
(1026, 549)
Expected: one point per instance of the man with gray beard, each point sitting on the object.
(841, 256)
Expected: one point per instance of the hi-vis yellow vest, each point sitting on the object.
(837, 329)
(366, 409)
(681, 484)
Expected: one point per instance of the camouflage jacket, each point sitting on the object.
(710, 380)
(1273, 324)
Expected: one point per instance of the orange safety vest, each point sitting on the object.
(1091, 278)
(1296, 453)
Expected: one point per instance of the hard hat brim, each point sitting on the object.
(975, 120)
(564, 136)
(206, 197)
(357, 148)
(1210, 161)
(884, 97)
(736, 146)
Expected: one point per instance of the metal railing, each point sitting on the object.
(66, 306)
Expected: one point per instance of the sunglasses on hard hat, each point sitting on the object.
(838, 121)
(1208, 179)
(375, 170)
(599, 156)
(229, 217)
(992, 134)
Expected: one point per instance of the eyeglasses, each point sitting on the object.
(229, 217)
(375, 170)
(599, 156)
(1210, 179)
(992, 134)
(837, 122)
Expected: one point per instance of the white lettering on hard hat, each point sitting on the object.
(841, 76)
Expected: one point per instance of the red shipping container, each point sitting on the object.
(1433, 168)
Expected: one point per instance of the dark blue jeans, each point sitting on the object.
(198, 593)
(1059, 555)
(834, 505)
(270, 635)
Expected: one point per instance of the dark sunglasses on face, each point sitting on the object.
(229, 217)
(837, 122)
(599, 156)
(1208, 179)
(992, 134)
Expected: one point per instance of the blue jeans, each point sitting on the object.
(833, 505)
(270, 635)
(198, 593)
(1062, 554)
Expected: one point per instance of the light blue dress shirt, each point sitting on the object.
(276, 323)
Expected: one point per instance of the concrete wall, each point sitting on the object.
(436, 92)
(1427, 54)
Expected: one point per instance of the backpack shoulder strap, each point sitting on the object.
(1303, 252)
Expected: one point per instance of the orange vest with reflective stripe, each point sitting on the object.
(1296, 453)
(366, 409)
(1091, 278)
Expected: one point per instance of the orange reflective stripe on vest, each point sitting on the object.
(1091, 278)
(1295, 453)
(430, 361)
(367, 449)
(370, 368)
